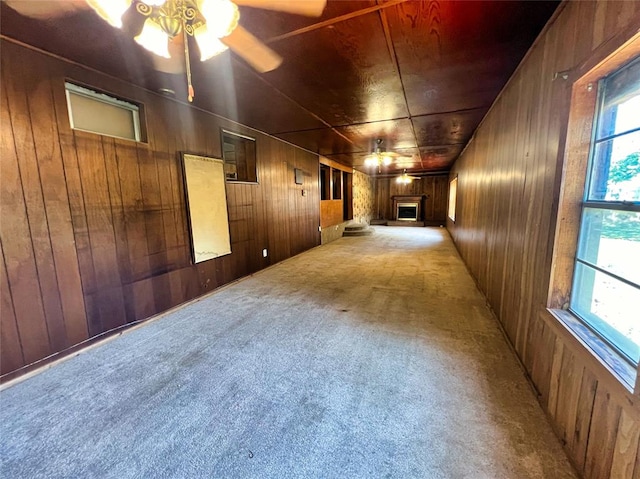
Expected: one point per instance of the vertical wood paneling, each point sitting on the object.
(177, 189)
(56, 200)
(132, 210)
(305, 206)
(554, 379)
(584, 415)
(29, 170)
(11, 357)
(567, 396)
(151, 205)
(636, 472)
(542, 366)
(106, 299)
(15, 235)
(75, 194)
(508, 190)
(624, 456)
(154, 223)
(117, 210)
(604, 424)
(94, 231)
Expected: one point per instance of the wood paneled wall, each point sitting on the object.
(434, 187)
(93, 231)
(332, 210)
(508, 189)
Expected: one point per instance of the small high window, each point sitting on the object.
(103, 114)
(453, 195)
(239, 153)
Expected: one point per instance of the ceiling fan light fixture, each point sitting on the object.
(154, 39)
(405, 179)
(208, 43)
(110, 11)
(212, 23)
(379, 157)
(221, 16)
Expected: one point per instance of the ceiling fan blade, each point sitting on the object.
(310, 8)
(252, 50)
(43, 10)
(393, 154)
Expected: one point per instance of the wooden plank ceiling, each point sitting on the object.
(420, 75)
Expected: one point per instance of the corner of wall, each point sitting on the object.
(363, 197)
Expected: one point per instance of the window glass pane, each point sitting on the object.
(610, 307)
(605, 294)
(337, 184)
(453, 191)
(95, 116)
(239, 155)
(325, 182)
(621, 102)
(615, 172)
(610, 239)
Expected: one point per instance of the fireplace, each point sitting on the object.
(407, 211)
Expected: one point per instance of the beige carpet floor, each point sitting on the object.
(368, 357)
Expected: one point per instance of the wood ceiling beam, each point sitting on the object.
(394, 59)
(333, 21)
(399, 118)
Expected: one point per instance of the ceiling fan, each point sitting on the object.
(214, 24)
(405, 179)
(379, 157)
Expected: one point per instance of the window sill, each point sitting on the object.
(624, 372)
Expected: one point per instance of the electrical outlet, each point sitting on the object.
(264, 253)
(304, 192)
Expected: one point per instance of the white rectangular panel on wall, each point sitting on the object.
(206, 207)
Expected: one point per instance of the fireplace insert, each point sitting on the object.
(407, 212)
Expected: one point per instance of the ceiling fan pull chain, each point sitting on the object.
(187, 61)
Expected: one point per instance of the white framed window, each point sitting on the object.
(453, 195)
(605, 293)
(103, 114)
